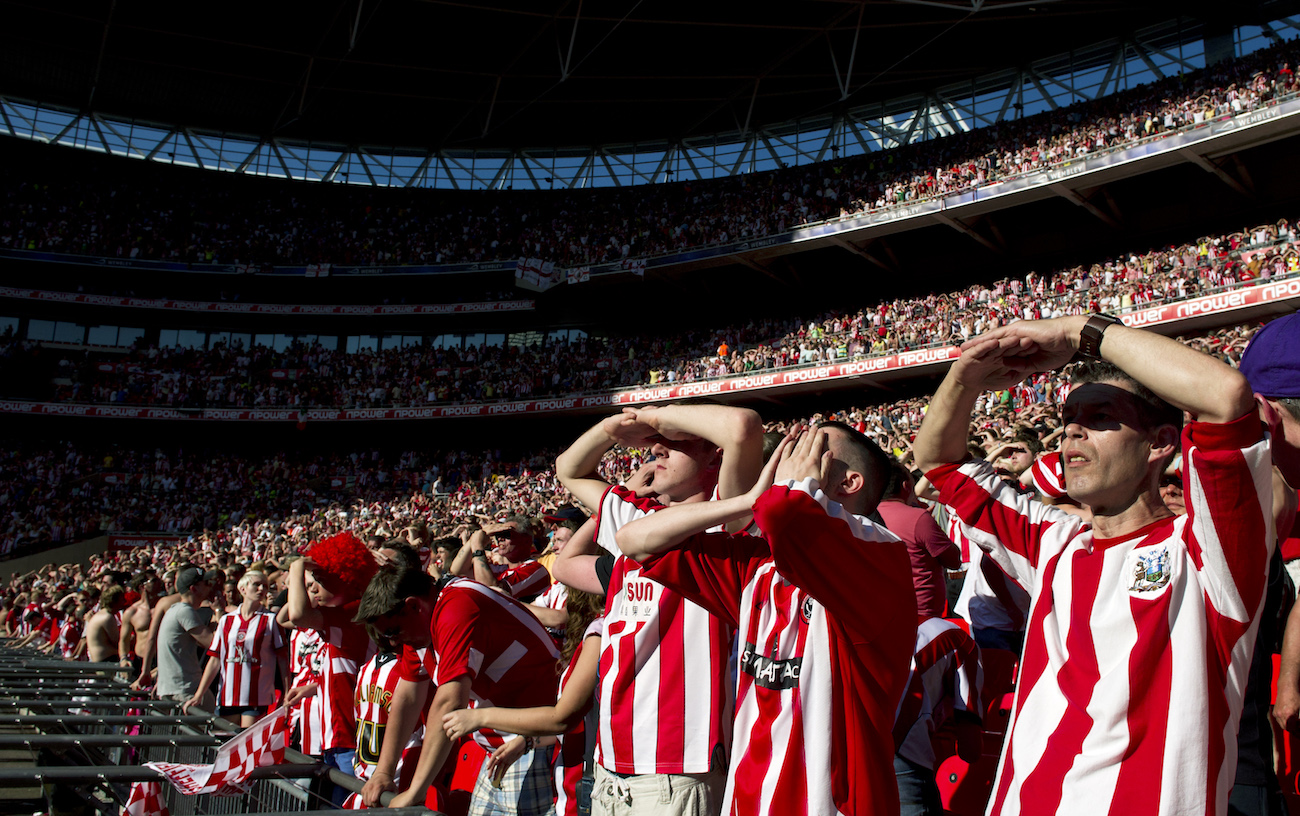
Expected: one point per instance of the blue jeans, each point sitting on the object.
(917, 793)
(341, 759)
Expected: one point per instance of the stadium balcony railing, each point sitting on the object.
(613, 394)
(1248, 116)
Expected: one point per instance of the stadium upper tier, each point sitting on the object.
(273, 502)
(120, 212)
(231, 372)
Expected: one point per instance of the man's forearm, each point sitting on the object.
(408, 699)
(661, 531)
(436, 743)
(1185, 378)
(944, 432)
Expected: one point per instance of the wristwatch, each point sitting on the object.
(1090, 336)
(530, 743)
(478, 554)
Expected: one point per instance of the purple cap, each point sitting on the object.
(1272, 360)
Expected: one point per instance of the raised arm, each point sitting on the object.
(577, 467)
(301, 614)
(575, 565)
(659, 532)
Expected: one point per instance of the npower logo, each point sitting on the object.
(758, 381)
(556, 404)
(1277, 291)
(1145, 317)
(696, 389)
(1215, 303)
(508, 408)
(650, 395)
(866, 366)
(462, 410)
(911, 358)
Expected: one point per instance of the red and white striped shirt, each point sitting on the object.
(574, 745)
(494, 640)
(69, 636)
(989, 599)
(665, 699)
(524, 581)
(946, 677)
(376, 683)
(1121, 629)
(246, 649)
(345, 647)
(306, 665)
(827, 616)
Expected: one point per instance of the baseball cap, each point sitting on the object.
(1272, 360)
(566, 512)
(189, 577)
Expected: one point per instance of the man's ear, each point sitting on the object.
(1164, 442)
(850, 483)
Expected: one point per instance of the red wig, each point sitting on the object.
(346, 560)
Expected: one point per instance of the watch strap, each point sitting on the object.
(1090, 336)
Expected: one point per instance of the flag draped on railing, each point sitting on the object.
(261, 744)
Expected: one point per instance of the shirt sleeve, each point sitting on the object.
(857, 570)
(618, 507)
(1002, 521)
(453, 639)
(710, 569)
(411, 666)
(526, 580)
(218, 646)
(1228, 481)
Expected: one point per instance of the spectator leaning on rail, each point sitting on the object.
(1142, 610)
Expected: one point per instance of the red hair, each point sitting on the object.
(345, 559)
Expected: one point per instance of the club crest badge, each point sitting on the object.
(806, 609)
(1150, 570)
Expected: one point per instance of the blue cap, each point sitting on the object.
(1272, 360)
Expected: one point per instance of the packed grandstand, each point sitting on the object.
(437, 450)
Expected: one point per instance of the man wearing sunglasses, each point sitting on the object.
(472, 643)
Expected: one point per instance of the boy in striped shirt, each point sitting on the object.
(826, 611)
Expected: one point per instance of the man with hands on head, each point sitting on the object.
(826, 612)
(1140, 609)
(664, 706)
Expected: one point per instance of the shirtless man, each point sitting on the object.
(137, 620)
(148, 651)
(103, 630)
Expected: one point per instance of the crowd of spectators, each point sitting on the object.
(167, 217)
(308, 376)
(277, 502)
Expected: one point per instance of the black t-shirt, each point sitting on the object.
(605, 570)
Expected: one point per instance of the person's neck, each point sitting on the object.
(249, 608)
(1146, 509)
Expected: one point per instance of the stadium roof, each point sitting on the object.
(465, 75)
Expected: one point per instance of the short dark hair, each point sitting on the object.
(865, 457)
(1292, 406)
(1030, 440)
(449, 543)
(898, 479)
(1152, 410)
(389, 588)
